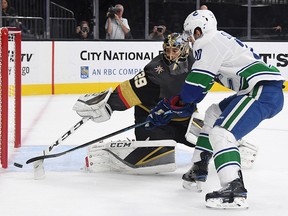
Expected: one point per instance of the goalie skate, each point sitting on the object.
(197, 174)
(233, 196)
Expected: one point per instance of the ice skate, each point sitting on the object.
(233, 196)
(198, 173)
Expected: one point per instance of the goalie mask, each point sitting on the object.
(175, 48)
(203, 19)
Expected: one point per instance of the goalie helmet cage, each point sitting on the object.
(10, 105)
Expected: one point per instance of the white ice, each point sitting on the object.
(69, 191)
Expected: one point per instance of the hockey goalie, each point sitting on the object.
(146, 156)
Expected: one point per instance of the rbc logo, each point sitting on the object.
(84, 72)
(198, 54)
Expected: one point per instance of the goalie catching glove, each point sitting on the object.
(167, 109)
(94, 106)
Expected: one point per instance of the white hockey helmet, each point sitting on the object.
(203, 19)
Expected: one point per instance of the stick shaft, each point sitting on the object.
(86, 144)
(66, 135)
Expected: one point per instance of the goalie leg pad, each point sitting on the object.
(194, 128)
(133, 157)
(248, 153)
(199, 123)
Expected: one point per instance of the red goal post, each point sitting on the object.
(10, 92)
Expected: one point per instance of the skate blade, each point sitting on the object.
(192, 186)
(39, 172)
(217, 203)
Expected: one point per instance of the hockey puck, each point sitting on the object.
(18, 165)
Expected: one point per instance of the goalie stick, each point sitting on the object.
(42, 157)
(39, 171)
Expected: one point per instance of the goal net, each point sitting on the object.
(10, 92)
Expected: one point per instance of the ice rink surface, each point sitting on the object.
(69, 191)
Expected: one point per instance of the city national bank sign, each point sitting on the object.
(111, 55)
(103, 61)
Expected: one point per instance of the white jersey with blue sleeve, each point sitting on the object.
(226, 60)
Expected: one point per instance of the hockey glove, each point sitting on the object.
(167, 109)
(94, 106)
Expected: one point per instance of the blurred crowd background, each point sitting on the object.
(62, 19)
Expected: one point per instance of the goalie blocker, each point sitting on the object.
(133, 157)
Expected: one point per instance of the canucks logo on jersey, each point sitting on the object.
(84, 72)
(197, 54)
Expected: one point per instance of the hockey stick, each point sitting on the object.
(67, 134)
(38, 165)
(42, 157)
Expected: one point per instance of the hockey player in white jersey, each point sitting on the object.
(223, 58)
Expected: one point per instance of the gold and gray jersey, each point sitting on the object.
(148, 87)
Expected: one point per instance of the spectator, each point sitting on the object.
(278, 28)
(158, 32)
(281, 29)
(8, 11)
(83, 31)
(116, 26)
(203, 7)
(77, 30)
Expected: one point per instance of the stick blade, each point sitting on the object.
(35, 159)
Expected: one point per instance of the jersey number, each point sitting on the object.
(256, 56)
(140, 80)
